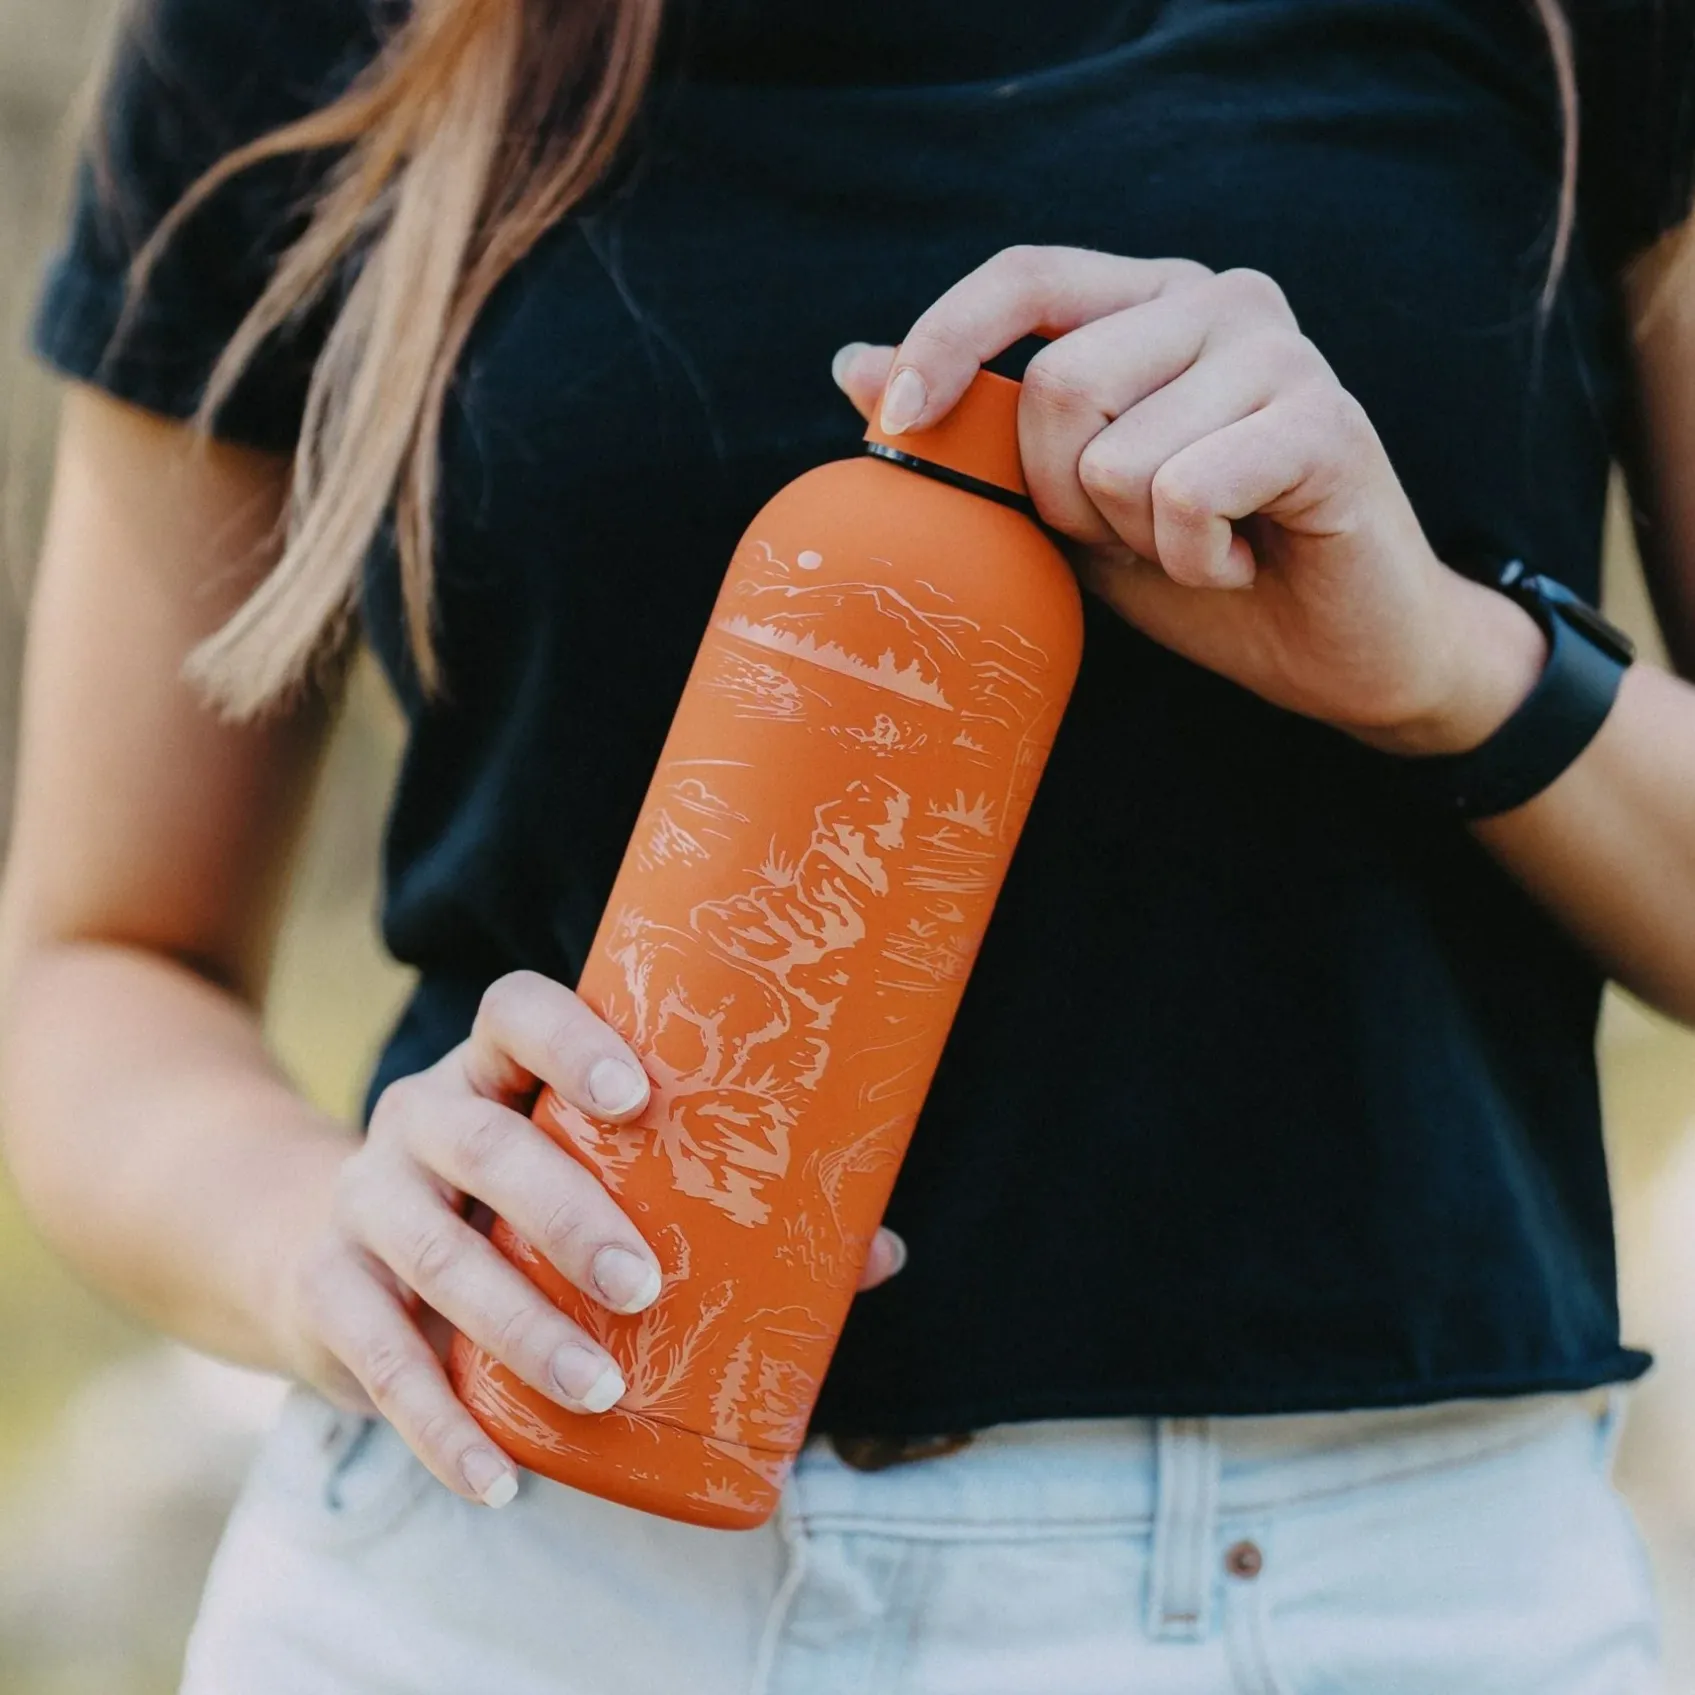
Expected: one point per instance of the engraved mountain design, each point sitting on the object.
(805, 892)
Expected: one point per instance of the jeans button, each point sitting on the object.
(1243, 1559)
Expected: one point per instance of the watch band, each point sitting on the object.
(1557, 720)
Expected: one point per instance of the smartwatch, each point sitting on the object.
(1587, 658)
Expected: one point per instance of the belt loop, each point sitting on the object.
(1185, 1528)
(1608, 1406)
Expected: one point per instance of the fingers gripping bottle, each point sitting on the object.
(787, 942)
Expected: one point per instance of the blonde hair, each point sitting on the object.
(479, 126)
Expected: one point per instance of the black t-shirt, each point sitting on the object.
(1267, 1093)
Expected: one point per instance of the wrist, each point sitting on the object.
(1494, 656)
(301, 1188)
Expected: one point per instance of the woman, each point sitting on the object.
(1295, 1372)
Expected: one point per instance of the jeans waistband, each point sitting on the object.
(1070, 1474)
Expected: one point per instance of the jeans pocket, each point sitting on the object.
(331, 1477)
(1519, 1570)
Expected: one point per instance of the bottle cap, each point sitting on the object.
(978, 438)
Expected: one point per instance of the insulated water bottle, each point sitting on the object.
(787, 942)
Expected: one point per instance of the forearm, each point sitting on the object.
(156, 1145)
(1610, 847)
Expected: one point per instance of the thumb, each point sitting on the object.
(860, 370)
(886, 1257)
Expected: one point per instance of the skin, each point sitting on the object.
(149, 1132)
(1224, 494)
(1230, 499)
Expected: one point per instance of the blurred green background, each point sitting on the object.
(119, 1454)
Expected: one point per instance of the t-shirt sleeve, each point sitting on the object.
(1636, 82)
(190, 80)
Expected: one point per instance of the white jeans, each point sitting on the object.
(1460, 1550)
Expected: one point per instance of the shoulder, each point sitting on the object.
(223, 42)
(1635, 64)
(190, 79)
(187, 82)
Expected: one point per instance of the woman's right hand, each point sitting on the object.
(396, 1226)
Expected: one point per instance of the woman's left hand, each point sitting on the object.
(1226, 494)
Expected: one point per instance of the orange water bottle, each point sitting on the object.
(787, 942)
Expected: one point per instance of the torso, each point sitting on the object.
(1265, 1095)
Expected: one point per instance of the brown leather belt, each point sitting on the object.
(878, 1453)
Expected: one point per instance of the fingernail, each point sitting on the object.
(491, 1479)
(615, 1085)
(628, 1281)
(587, 1377)
(903, 401)
(897, 1251)
(845, 357)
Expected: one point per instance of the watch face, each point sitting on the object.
(1603, 632)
